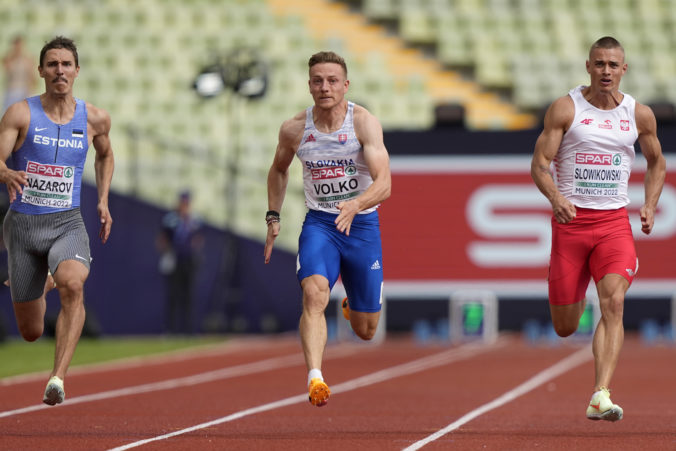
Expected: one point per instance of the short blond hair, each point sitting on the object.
(327, 57)
(606, 42)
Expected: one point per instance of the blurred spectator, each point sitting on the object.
(20, 73)
(180, 245)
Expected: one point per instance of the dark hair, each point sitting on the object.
(606, 42)
(327, 57)
(60, 42)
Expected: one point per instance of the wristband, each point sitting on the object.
(271, 217)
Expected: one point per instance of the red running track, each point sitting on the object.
(250, 395)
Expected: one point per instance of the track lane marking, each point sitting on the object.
(233, 345)
(432, 361)
(209, 376)
(579, 357)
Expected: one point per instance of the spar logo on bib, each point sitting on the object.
(593, 158)
(328, 173)
(598, 159)
(48, 170)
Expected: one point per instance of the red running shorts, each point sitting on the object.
(595, 243)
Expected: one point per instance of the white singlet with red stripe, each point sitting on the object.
(334, 169)
(594, 160)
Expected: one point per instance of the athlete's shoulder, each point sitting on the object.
(17, 115)
(361, 113)
(98, 118)
(560, 113)
(645, 118)
(292, 129)
(366, 124)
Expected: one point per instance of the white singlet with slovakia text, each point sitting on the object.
(334, 169)
(594, 160)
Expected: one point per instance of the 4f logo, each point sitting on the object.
(586, 121)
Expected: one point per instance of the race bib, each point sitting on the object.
(597, 174)
(49, 185)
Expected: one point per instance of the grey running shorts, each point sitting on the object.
(36, 243)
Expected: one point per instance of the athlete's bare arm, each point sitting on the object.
(290, 134)
(13, 129)
(370, 134)
(656, 172)
(98, 123)
(557, 120)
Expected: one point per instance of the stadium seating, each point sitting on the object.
(535, 49)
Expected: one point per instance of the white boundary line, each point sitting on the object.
(201, 378)
(415, 366)
(553, 371)
(229, 345)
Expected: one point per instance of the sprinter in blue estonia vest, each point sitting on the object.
(346, 173)
(44, 139)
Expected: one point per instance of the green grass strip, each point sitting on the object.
(20, 357)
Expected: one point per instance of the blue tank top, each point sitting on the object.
(53, 157)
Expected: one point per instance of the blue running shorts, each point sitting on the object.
(357, 258)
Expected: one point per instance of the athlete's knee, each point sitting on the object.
(31, 331)
(566, 317)
(315, 296)
(364, 325)
(71, 287)
(366, 332)
(564, 329)
(613, 306)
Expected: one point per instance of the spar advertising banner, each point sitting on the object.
(482, 222)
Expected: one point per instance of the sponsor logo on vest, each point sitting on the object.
(49, 170)
(328, 173)
(607, 124)
(593, 158)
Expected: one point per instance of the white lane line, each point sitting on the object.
(232, 345)
(415, 366)
(553, 371)
(210, 376)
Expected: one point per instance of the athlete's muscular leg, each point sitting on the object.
(609, 334)
(70, 277)
(312, 326)
(30, 316)
(566, 318)
(364, 324)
